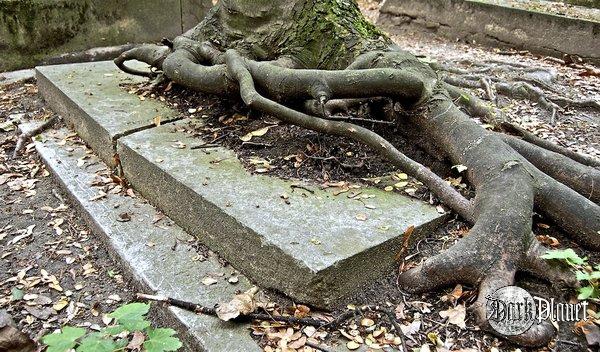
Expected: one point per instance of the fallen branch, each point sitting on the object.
(24, 137)
(318, 323)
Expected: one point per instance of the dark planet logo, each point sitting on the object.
(510, 310)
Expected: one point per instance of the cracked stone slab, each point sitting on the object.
(318, 249)
(89, 98)
(161, 268)
(314, 246)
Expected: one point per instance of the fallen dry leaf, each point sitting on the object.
(456, 315)
(242, 304)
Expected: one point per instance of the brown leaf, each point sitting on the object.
(301, 311)
(242, 304)
(137, 341)
(456, 315)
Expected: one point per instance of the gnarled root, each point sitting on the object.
(518, 81)
(511, 175)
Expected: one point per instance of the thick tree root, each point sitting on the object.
(581, 178)
(540, 142)
(511, 175)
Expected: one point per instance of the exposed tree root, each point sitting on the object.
(511, 175)
(540, 142)
(521, 82)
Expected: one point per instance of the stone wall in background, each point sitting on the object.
(497, 26)
(32, 31)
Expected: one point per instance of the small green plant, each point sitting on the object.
(588, 275)
(130, 330)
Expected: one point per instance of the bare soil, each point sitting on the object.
(53, 270)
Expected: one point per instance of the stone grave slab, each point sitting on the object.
(89, 98)
(160, 268)
(312, 245)
(317, 249)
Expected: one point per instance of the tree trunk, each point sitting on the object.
(295, 59)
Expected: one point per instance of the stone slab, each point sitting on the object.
(89, 99)
(7, 78)
(160, 268)
(315, 249)
(495, 25)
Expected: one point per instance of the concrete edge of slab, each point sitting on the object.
(144, 265)
(11, 77)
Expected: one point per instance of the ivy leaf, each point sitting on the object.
(131, 316)
(567, 255)
(583, 276)
(97, 342)
(161, 340)
(63, 341)
(586, 292)
(114, 330)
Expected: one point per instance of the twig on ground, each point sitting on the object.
(318, 323)
(24, 137)
(318, 347)
(358, 119)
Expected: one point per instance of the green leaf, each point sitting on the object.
(585, 292)
(567, 255)
(583, 276)
(131, 316)
(63, 341)
(97, 342)
(114, 330)
(161, 340)
(17, 294)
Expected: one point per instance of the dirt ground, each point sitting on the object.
(53, 271)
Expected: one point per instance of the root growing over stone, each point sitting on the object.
(300, 60)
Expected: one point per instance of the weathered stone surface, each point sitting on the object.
(89, 98)
(496, 25)
(14, 76)
(148, 253)
(317, 248)
(34, 30)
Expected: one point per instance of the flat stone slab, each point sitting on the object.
(89, 98)
(7, 78)
(316, 247)
(146, 250)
